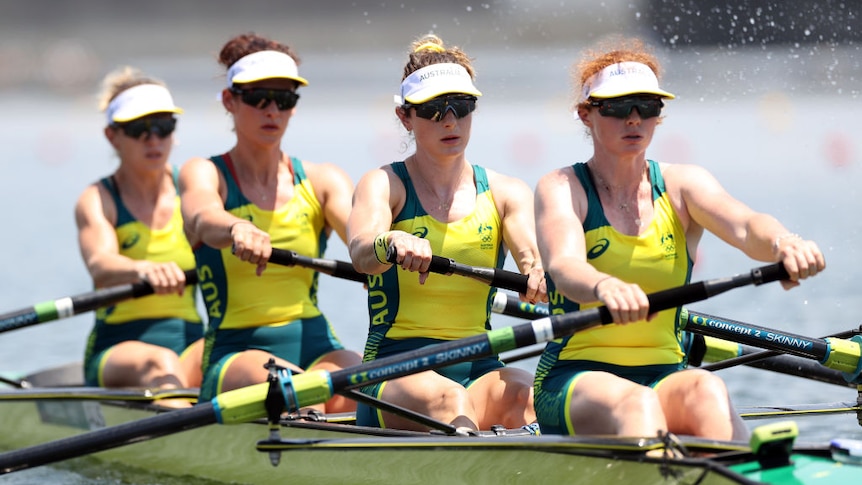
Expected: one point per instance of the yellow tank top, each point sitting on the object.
(656, 260)
(445, 307)
(139, 241)
(234, 295)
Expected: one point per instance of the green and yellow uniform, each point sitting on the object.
(276, 312)
(406, 315)
(644, 352)
(169, 321)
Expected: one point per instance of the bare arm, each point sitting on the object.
(561, 205)
(100, 251)
(376, 197)
(519, 231)
(760, 236)
(203, 193)
(334, 190)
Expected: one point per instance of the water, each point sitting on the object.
(776, 133)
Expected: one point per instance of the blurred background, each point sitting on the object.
(768, 100)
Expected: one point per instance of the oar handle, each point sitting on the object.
(85, 302)
(509, 304)
(338, 269)
(496, 277)
(662, 300)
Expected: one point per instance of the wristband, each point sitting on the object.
(381, 244)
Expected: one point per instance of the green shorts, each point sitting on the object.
(554, 387)
(301, 342)
(171, 333)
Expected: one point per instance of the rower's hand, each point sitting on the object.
(411, 253)
(626, 302)
(801, 258)
(250, 244)
(165, 278)
(537, 287)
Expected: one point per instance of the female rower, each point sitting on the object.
(436, 202)
(617, 226)
(239, 205)
(130, 229)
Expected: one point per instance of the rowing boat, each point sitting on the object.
(136, 431)
(52, 405)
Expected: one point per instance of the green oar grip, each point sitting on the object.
(844, 356)
(241, 405)
(247, 404)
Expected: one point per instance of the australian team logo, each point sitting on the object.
(669, 245)
(486, 236)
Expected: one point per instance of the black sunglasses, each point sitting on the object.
(435, 109)
(260, 98)
(160, 126)
(648, 106)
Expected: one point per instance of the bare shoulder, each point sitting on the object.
(506, 184)
(94, 203)
(682, 170)
(196, 165)
(557, 179)
(682, 176)
(327, 175)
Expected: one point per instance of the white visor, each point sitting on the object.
(264, 65)
(623, 79)
(139, 101)
(434, 80)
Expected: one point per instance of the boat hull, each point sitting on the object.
(327, 452)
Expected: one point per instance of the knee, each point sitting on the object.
(708, 386)
(640, 401)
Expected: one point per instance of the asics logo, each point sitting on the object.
(420, 231)
(600, 247)
(130, 241)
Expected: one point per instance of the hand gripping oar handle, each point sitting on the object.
(315, 387)
(74, 305)
(338, 269)
(499, 278)
(503, 303)
(537, 331)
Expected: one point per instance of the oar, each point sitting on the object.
(762, 412)
(73, 305)
(250, 403)
(338, 269)
(835, 353)
(496, 277)
(711, 349)
(508, 304)
(751, 358)
(95, 394)
(345, 270)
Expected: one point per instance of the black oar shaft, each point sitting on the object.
(338, 269)
(74, 305)
(799, 367)
(510, 305)
(496, 277)
(107, 438)
(746, 333)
